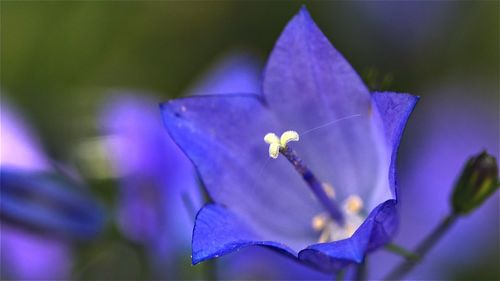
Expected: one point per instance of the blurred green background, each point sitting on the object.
(58, 57)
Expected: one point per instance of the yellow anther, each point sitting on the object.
(271, 138)
(275, 143)
(328, 188)
(353, 204)
(329, 230)
(319, 222)
(287, 137)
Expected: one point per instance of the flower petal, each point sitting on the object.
(395, 109)
(222, 135)
(20, 147)
(378, 229)
(218, 231)
(46, 202)
(153, 173)
(306, 71)
(30, 256)
(311, 87)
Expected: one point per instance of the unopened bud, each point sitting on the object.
(479, 180)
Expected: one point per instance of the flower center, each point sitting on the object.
(329, 230)
(280, 145)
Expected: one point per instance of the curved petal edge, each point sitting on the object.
(377, 230)
(217, 231)
(395, 109)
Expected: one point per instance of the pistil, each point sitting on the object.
(316, 187)
(280, 145)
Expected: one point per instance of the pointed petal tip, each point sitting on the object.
(165, 106)
(303, 10)
(162, 105)
(195, 260)
(303, 15)
(172, 108)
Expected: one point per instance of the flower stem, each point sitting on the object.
(315, 185)
(425, 246)
(361, 271)
(210, 272)
(340, 275)
(398, 250)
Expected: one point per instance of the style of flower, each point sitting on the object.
(334, 200)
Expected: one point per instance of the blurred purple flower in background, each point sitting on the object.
(25, 255)
(40, 215)
(153, 176)
(260, 203)
(20, 148)
(236, 72)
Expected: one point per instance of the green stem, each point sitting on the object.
(340, 275)
(398, 250)
(425, 246)
(361, 271)
(211, 270)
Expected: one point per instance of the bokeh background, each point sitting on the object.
(67, 66)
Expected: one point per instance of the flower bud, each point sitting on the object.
(479, 180)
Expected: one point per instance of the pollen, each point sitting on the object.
(271, 138)
(287, 137)
(328, 230)
(276, 144)
(353, 204)
(319, 222)
(274, 150)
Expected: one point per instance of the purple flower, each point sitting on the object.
(26, 255)
(40, 212)
(153, 174)
(348, 139)
(20, 148)
(31, 256)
